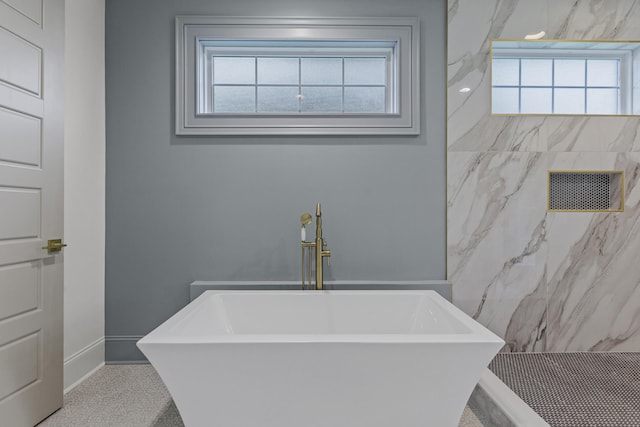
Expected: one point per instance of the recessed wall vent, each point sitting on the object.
(586, 191)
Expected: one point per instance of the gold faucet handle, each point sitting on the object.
(326, 253)
(305, 218)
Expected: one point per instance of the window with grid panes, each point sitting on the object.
(594, 78)
(252, 76)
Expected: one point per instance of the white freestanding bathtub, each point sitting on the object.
(320, 359)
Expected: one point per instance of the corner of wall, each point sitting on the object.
(81, 365)
(84, 189)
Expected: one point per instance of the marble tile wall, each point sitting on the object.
(544, 281)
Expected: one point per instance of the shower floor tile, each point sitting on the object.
(575, 389)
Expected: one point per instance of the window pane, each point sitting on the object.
(365, 71)
(321, 71)
(364, 100)
(602, 72)
(234, 99)
(536, 72)
(504, 100)
(322, 99)
(535, 101)
(569, 101)
(234, 70)
(569, 72)
(382, 57)
(602, 101)
(278, 99)
(505, 72)
(277, 70)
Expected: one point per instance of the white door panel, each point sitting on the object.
(25, 68)
(21, 216)
(32, 9)
(22, 282)
(21, 138)
(18, 364)
(31, 153)
(21, 101)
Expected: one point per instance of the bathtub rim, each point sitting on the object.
(478, 334)
(443, 287)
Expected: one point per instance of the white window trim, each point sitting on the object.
(205, 68)
(405, 32)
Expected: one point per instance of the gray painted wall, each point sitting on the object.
(227, 208)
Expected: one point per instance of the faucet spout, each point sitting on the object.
(318, 222)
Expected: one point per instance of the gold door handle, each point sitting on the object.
(54, 246)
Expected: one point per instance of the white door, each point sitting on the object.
(31, 157)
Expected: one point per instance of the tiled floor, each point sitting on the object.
(575, 389)
(134, 396)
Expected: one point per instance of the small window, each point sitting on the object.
(297, 76)
(305, 78)
(561, 78)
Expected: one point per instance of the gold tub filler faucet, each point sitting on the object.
(311, 248)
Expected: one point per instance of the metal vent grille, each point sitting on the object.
(580, 191)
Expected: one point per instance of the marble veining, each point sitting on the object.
(597, 283)
(544, 281)
(593, 20)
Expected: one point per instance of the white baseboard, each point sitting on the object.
(82, 364)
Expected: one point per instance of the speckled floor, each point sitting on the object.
(118, 395)
(133, 396)
(575, 389)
